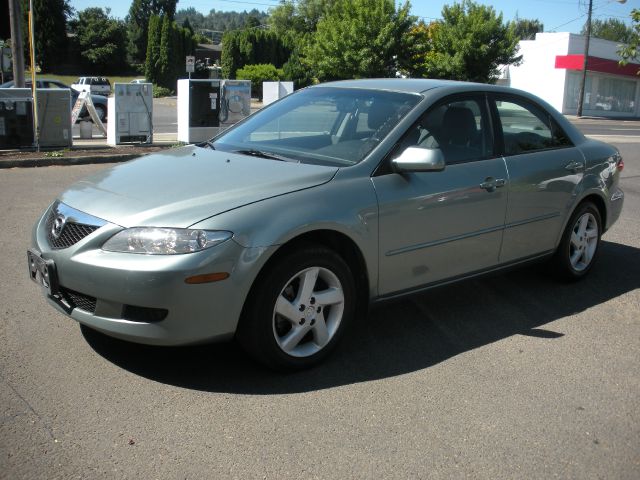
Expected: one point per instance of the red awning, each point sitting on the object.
(596, 64)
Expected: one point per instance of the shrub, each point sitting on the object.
(159, 91)
(295, 71)
(263, 72)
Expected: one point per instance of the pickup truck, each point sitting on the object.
(99, 85)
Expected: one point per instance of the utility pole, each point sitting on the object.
(17, 50)
(583, 81)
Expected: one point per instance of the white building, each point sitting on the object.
(552, 69)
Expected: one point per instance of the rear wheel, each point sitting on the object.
(298, 311)
(579, 246)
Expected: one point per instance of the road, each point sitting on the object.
(512, 376)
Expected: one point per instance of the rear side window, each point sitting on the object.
(528, 128)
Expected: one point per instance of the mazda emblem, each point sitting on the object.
(58, 226)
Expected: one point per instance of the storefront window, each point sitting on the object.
(601, 94)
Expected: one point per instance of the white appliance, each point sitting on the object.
(16, 118)
(272, 91)
(198, 109)
(130, 114)
(54, 117)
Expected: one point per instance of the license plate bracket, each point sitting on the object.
(43, 272)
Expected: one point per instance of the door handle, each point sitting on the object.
(574, 166)
(490, 183)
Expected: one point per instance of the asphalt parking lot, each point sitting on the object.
(511, 376)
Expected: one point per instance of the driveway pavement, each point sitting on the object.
(511, 376)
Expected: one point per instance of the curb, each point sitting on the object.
(64, 161)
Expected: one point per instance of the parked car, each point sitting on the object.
(99, 101)
(280, 229)
(99, 85)
(139, 80)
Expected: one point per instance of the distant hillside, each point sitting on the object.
(219, 21)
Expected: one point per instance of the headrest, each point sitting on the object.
(459, 125)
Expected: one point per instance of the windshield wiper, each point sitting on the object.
(263, 154)
(206, 143)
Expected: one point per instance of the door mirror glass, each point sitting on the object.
(416, 159)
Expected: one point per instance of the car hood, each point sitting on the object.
(183, 186)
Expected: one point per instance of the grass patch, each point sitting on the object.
(54, 154)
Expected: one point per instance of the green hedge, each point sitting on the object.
(252, 47)
(263, 72)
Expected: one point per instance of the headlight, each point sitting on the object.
(164, 241)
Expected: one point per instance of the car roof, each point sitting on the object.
(421, 85)
(409, 85)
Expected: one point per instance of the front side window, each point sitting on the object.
(459, 128)
(324, 125)
(528, 128)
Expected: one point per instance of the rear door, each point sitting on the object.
(439, 225)
(545, 169)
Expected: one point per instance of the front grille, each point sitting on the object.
(71, 233)
(79, 300)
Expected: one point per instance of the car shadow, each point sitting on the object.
(396, 338)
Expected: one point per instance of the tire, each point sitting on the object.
(299, 309)
(580, 243)
(102, 114)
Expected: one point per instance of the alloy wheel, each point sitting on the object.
(583, 242)
(308, 312)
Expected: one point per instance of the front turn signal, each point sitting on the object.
(206, 278)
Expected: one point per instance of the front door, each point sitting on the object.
(439, 225)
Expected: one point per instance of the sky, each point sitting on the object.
(556, 15)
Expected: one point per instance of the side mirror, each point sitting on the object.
(415, 159)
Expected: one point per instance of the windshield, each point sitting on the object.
(322, 125)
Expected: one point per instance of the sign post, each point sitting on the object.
(191, 65)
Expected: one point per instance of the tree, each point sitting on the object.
(469, 43)
(220, 21)
(252, 46)
(138, 24)
(525, 28)
(252, 22)
(50, 31)
(153, 52)
(630, 52)
(187, 24)
(168, 46)
(361, 38)
(296, 71)
(610, 29)
(298, 17)
(101, 39)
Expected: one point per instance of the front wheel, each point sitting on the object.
(102, 113)
(299, 309)
(578, 248)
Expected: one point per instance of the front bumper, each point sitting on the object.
(120, 281)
